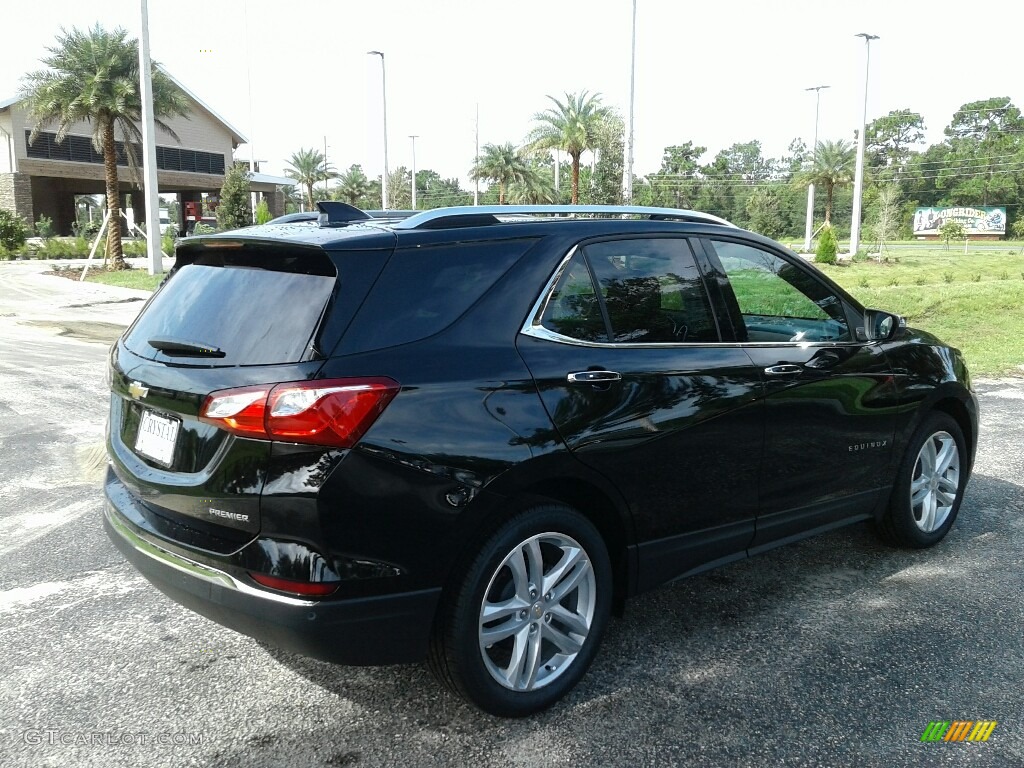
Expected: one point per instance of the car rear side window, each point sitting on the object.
(254, 309)
(651, 290)
(425, 289)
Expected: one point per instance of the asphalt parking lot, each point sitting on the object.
(833, 652)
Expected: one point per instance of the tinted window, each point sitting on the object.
(573, 309)
(424, 290)
(652, 290)
(256, 316)
(780, 301)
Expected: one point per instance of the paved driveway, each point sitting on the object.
(832, 652)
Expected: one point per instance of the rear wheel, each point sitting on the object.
(929, 486)
(526, 618)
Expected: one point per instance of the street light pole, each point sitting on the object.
(414, 137)
(858, 178)
(384, 99)
(628, 186)
(814, 152)
(151, 203)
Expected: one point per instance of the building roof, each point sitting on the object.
(236, 135)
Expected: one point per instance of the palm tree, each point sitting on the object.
(307, 167)
(832, 167)
(536, 187)
(93, 77)
(353, 184)
(574, 126)
(501, 163)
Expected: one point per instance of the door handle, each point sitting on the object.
(593, 377)
(783, 369)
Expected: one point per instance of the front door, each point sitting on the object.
(829, 397)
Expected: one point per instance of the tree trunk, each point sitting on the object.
(501, 193)
(576, 178)
(309, 196)
(115, 254)
(828, 204)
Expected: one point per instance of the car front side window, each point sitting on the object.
(780, 301)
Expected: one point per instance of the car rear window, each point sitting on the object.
(425, 289)
(256, 309)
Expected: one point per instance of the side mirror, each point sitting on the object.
(881, 326)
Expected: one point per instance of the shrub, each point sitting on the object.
(263, 214)
(235, 207)
(975, 278)
(919, 281)
(44, 227)
(947, 277)
(863, 282)
(1004, 275)
(827, 248)
(13, 231)
(203, 229)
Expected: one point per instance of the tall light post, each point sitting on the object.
(814, 152)
(414, 137)
(384, 99)
(628, 186)
(858, 177)
(151, 202)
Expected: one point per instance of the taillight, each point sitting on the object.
(335, 412)
(309, 588)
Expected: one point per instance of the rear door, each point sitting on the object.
(627, 357)
(231, 317)
(829, 395)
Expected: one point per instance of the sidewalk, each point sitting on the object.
(33, 302)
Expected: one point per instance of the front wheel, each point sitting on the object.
(929, 486)
(525, 621)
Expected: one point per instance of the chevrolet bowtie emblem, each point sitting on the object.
(136, 390)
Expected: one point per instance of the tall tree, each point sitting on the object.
(832, 167)
(93, 77)
(675, 185)
(307, 167)
(891, 138)
(573, 126)
(502, 164)
(984, 148)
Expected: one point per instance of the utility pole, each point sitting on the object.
(814, 153)
(858, 178)
(152, 197)
(414, 137)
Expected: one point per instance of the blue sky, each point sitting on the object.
(713, 73)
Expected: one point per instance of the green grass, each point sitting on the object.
(128, 278)
(974, 301)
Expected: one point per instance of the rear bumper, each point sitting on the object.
(383, 629)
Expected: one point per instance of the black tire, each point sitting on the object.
(458, 655)
(905, 523)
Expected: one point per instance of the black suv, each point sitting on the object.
(471, 434)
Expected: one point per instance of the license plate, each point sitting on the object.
(156, 438)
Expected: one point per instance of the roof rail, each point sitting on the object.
(482, 215)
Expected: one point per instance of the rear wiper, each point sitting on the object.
(185, 348)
